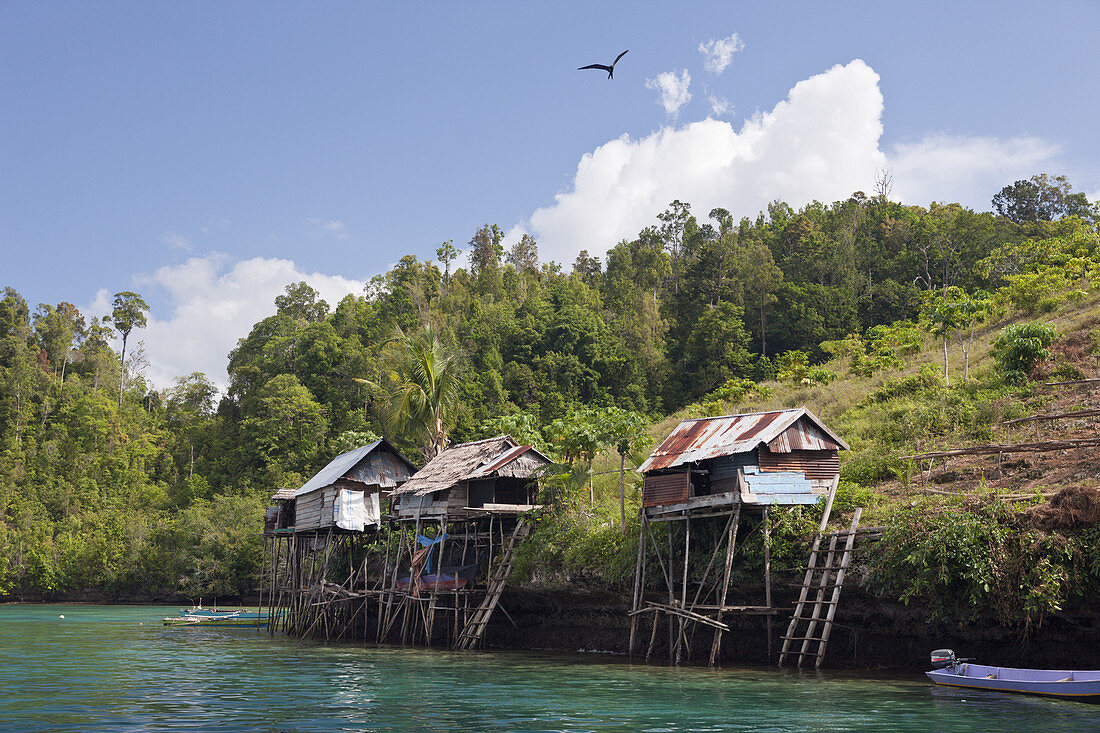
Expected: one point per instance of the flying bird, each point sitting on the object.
(609, 69)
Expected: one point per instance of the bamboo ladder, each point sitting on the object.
(474, 630)
(831, 578)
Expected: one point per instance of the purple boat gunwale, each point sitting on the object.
(1077, 684)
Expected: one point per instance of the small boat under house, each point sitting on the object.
(709, 474)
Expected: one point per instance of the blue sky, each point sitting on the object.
(205, 154)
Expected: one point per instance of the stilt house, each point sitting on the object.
(496, 475)
(761, 458)
(349, 493)
(713, 470)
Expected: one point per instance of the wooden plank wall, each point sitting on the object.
(307, 511)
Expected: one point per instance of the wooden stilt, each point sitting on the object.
(639, 579)
(768, 575)
(731, 544)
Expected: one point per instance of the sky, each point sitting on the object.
(206, 154)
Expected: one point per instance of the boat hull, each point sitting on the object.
(253, 622)
(1083, 685)
(435, 582)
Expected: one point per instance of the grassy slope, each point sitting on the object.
(586, 540)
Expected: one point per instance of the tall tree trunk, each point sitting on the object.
(622, 492)
(763, 345)
(122, 376)
(946, 376)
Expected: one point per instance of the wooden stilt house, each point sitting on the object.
(492, 475)
(350, 492)
(721, 468)
(318, 574)
(466, 506)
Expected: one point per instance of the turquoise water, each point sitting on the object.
(100, 670)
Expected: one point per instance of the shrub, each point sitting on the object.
(1020, 348)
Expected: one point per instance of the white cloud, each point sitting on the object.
(822, 142)
(673, 89)
(331, 227)
(718, 53)
(965, 169)
(216, 301)
(176, 240)
(720, 107)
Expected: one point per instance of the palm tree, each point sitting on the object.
(420, 388)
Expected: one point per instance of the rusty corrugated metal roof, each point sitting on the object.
(712, 437)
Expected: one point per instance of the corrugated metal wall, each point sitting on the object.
(820, 465)
(668, 488)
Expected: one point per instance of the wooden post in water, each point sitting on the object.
(768, 576)
(731, 544)
(639, 579)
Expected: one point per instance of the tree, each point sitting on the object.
(1041, 198)
(626, 431)
(674, 222)
(302, 303)
(422, 388)
(447, 253)
(486, 248)
(578, 438)
(973, 310)
(285, 427)
(1020, 347)
(586, 266)
(524, 254)
(128, 314)
(942, 317)
(762, 278)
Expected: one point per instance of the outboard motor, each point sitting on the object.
(942, 658)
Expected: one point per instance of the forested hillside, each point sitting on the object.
(110, 486)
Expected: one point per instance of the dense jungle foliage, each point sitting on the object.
(110, 486)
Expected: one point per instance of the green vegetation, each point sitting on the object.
(108, 485)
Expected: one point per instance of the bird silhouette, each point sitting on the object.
(609, 69)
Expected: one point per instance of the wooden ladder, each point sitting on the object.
(831, 577)
(474, 630)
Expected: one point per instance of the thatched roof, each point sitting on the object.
(499, 456)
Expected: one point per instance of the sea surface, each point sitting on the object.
(116, 668)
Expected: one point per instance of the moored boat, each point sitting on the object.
(216, 613)
(948, 670)
(432, 581)
(252, 621)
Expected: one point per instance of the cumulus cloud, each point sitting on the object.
(330, 227)
(215, 301)
(821, 142)
(718, 53)
(945, 168)
(673, 89)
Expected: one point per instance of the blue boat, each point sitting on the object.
(1073, 684)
